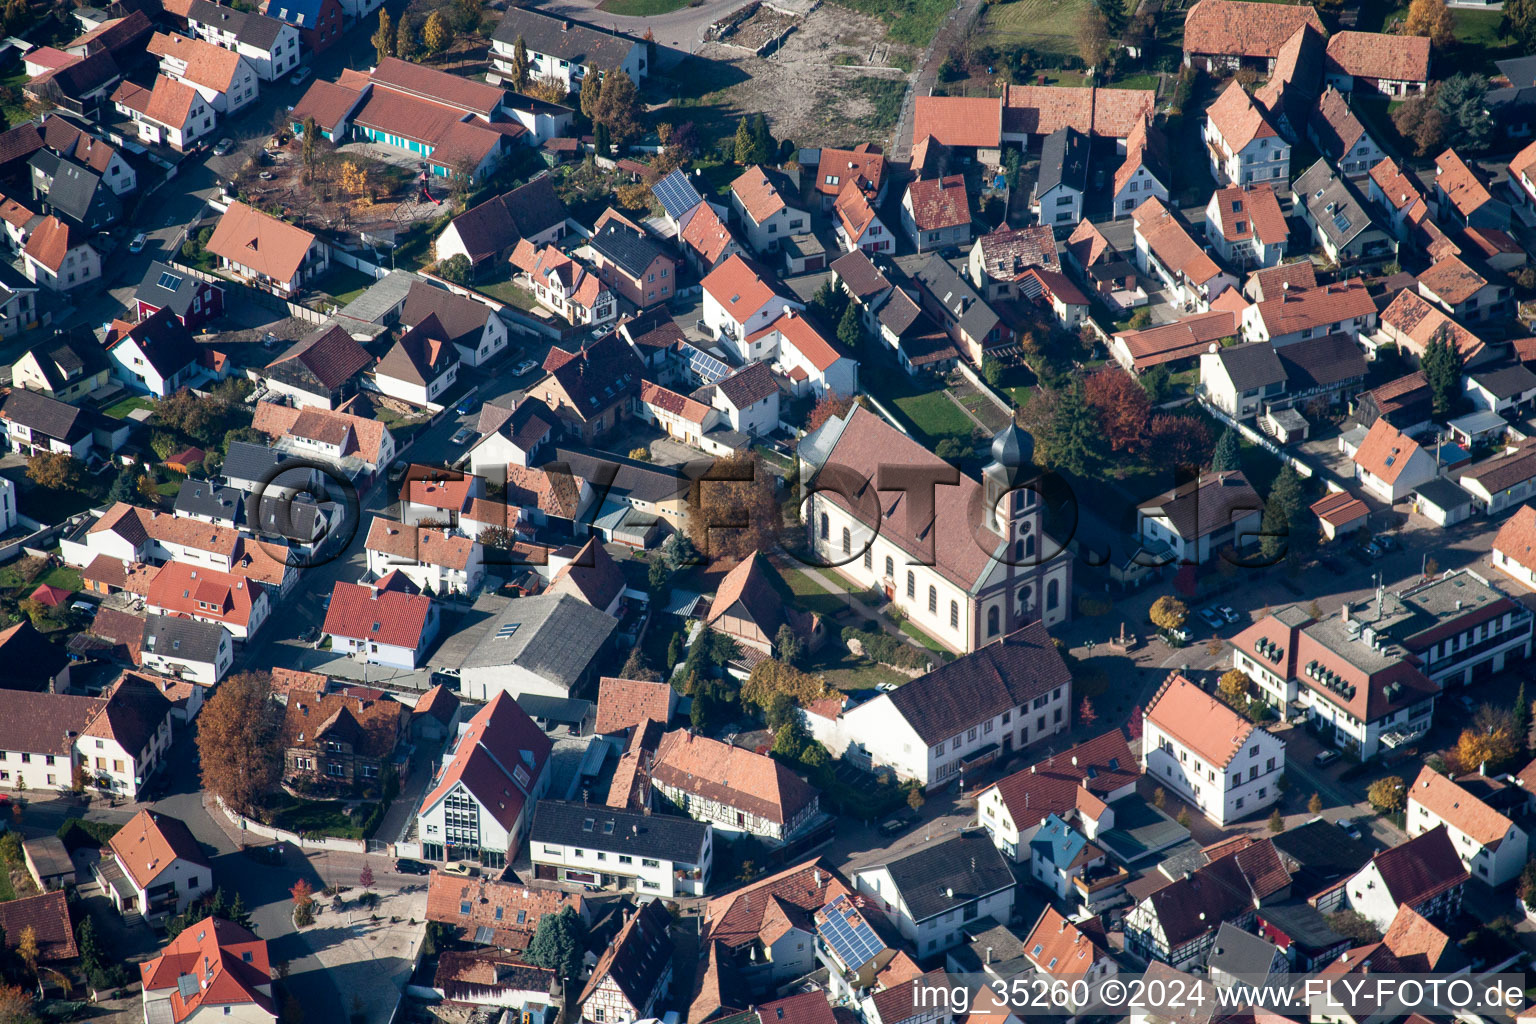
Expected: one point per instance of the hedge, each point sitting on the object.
(77, 832)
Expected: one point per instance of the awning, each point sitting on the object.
(981, 756)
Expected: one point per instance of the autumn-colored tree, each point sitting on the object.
(830, 404)
(520, 64)
(1092, 36)
(1122, 407)
(770, 677)
(732, 509)
(57, 471)
(405, 39)
(436, 36)
(591, 95)
(1233, 686)
(383, 38)
(1277, 821)
(365, 877)
(354, 178)
(1386, 794)
(27, 949)
(1168, 612)
(915, 798)
(1159, 798)
(16, 1005)
(1431, 18)
(239, 740)
(1178, 440)
(1478, 747)
(1085, 713)
(618, 107)
(1421, 122)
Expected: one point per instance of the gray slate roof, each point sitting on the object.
(939, 279)
(47, 415)
(165, 288)
(1319, 188)
(632, 252)
(1251, 366)
(201, 498)
(579, 44)
(256, 30)
(74, 192)
(1241, 954)
(662, 836)
(966, 865)
(1063, 160)
(247, 461)
(553, 636)
(172, 637)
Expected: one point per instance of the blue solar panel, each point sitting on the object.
(676, 194)
(850, 936)
(706, 367)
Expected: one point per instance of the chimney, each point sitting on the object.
(1344, 612)
(565, 26)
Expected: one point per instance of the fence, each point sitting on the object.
(346, 259)
(252, 294)
(1303, 469)
(312, 842)
(985, 388)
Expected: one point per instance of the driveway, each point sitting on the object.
(681, 30)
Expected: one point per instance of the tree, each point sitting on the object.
(1520, 21)
(830, 404)
(1093, 36)
(915, 798)
(1282, 525)
(1085, 712)
(787, 645)
(1072, 441)
(733, 510)
(1431, 18)
(762, 140)
(828, 302)
(779, 710)
(405, 39)
(991, 370)
(746, 148)
(1527, 885)
(657, 575)
(1520, 721)
(618, 107)
(1419, 120)
(1121, 406)
(365, 877)
(239, 740)
(1168, 612)
(1315, 805)
(790, 739)
(1159, 798)
(602, 143)
(303, 903)
(674, 651)
(456, 268)
(1183, 819)
(1227, 454)
(769, 677)
(1442, 369)
(1354, 926)
(680, 551)
(1276, 821)
(557, 944)
(309, 146)
(1386, 794)
(519, 63)
(701, 716)
(16, 1005)
(1157, 382)
(1460, 99)
(383, 38)
(436, 36)
(1178, 440)
(591, 94)
(636, 668)
(1233, 686)
(849, 331)
(57, 471)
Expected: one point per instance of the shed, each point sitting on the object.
(1442, 502)
(186, 460)
(1476, 427)
(49, 596)
(1340, 513)
(48, 862)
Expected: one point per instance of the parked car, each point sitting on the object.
(1212, 619)
(1350, 828)
(140, 240)
(412, 867)
(1325, 758)
(461, 869)
(1227, 613)
(894, 826)
(223, 147)
(1387, 542)
(526, 366)
(300, 76)
(462, 435)
(467, 406)
(1332, 564)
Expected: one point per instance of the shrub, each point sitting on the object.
(77, 832)
(884, 648)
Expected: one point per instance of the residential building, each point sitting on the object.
(271, 45)
(59, 259)
(624, 705)
(319, 370)
(434, 560)
(764, 933)
(1341, 137)
(999, 259)
(39, 736)
(1503, 480)
(734, 789)
(805, 356)
(565, 286)
(382, 625)
(1389, 64)
(750, 606)
(343, 742)
(858, 225)
(320, 22)
(1068, 952)
(1332, 207)
(1467, 292)
(18, 303)
(1244, 147)
(635, 973)
(1242, 958)
(72, 192)
(171, 113)
(658, 855)
(932, 891)
(546, 645)
(590, 575)
(1299, 314)
(682, 418)
(707, 241)
(1463, 197)
(190, 591)
(199, 652)
(265, 252)
(633, 265)
(67, 139)
(971, 324)
(156, 867)
(1037, 111)
(36, 423)
(64, 369)
(226, 81)
(486, 234)
(190, 299)
(491, 912)
(1424, 874)
(761, 199)
(420, 368)
(863, 167)
(565, 52)
(1063, 178)
(1390, 464)
(474, 328)
(1239, 378)
(157, 354)
(1246, 226)
(1200, 520)
(358, 446)
(1222, 34)
(1102, 269)
(963, 125)
(511, 437)
(1177, 923)
(1411, 944)
(1391, 189)
(1212, 756)
(1165, 248)
(742, 298)
(936, 213)
(124, 743)
(1146, 170)
(477, 805)
(1490, 845)
(231, 977)
(591, 390)
(748, 400)
(1411, 323)
(1514, 547)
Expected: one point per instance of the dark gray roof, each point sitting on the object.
(554, 636)
(636, 480)
(661, 836)
(166, 288)
(564, 38)
(943, 876)
(961, 302)
(1521, 71)
(500, 221)
(74, 193)
(1304, 923)
(1443, 494)
(1005, 674)
(298, 520)
(1241, 954)
(47, 415)
(566, 710)
(81, 78)
(247, 461)
(632, 251)
(201, 498)
(461, 317)
(1063, 160)
(256, 30)
(172, 637)
(1334, 204)
(165, 342)
(1505, 381)
(1251, 366)
(63, 358)
(1321, 362)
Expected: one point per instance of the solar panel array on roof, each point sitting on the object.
(170, 282)
(187, 986)
(507, 629)
(844, 929)
(676, 194)
(484, 935)
(706, 367)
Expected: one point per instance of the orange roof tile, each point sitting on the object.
(1459, 808)
(1244, 29)
(1385, 451)
(1171, 243)
(49, 243)
(260, 242)
(150, 843)
(757, 193)
(1199, 721)
(707, 235)
(1516, 539)
(1043, 109)
(207, 65)
(1395, 58)
(1462, 185)
(625, 703)
(1452, 281)
(864, 165)
(1238, 118)
(939, 203)
(1250, 211)
(959, 120)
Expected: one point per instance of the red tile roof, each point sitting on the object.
(1099, 765)
(1171, 243)
(1452, 281)
(742, 287)
(1462, 185)
(758, 194)
(625, 703)
(388, 617)
(510, 909)
(959, 120)
(738, 918)
(1339, 508)
(1393, 58)
(1459, 808)
(231, 965)
(1516, 539)
(49, 243)
(1421, 868)
(1244, 29)
(260, 242)
(1418, 321)
(1043, 109)
(1385, 451)
(197, 591)
(733, 776)
(1199, 721)
(939, 203)
(1182, 339)
(1300, 309)
(48, 917)
(864, 165)
(1250, 211)
(499, 757)
(1238, 118)
(150, 843)
(795, 328)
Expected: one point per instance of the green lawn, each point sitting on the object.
(641, 8)
(323, 817)
(907, 21)
(120, 410)
(61, 576)
(1480, 43)
(923, 638)
(506, 291)
(841, 669)
(343, 284)
(1044, 26)
(934, 414)
(7, 890)
(813, 597)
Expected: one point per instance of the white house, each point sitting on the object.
(1390, 464)
(1070, 952)
(1145, 170)
(742, 299)
(125, 742)
(1209, 754)
(479, 802)
(1425, 873)
(748, 399)
(809, 360)
(171, 113)
(1514, 548)
(159, 868)
(1341, 137)
(1164, 247)
(474, 328)
(1238, 378)
(436, 561)
(1197, 521)
(634, 973)
(1246, 226)
(1243, 146)
(761, 199)
(1491, 846)
(58, 259)
(986, 705)
(1503, 480)
(225, 80)
(266, 252)
(930, 893)
(41, 759)
(1058, 196)
(157, 354)
(421, 367)
(271, 45)
(381, 625)
(661, 855)
(1300, 314)
(858, 224)
(564, 52)
(201, 652)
